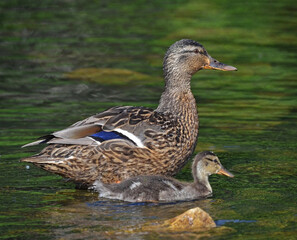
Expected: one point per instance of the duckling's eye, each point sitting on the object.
(212, 160)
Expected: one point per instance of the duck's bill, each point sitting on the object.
(225, 172)
(216, 65)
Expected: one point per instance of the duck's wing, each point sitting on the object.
(141, 188)
(149, 184)
(127, 123)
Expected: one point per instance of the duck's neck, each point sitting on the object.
(177, 97)
(201, 178)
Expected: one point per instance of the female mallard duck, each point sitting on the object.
(126, 141)
(160, 188)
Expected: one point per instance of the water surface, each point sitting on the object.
(247, 117)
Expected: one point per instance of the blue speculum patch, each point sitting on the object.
(103, 136)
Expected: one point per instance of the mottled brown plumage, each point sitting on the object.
(146, 141)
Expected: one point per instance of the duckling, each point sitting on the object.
(161, 188)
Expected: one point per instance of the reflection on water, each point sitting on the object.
(222, 222)
(113, 217)
(248, 118)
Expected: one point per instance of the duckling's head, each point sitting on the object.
(207, 163)
(185, 57)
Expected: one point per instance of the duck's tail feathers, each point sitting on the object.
(96, 186)
(65, 167)
(99, 186)
(33, 143)
(42, 139)
(40, 160)
(56, 166)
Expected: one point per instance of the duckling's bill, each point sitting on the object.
(225, 172)
(216, 65)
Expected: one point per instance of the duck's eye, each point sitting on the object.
(196, 50)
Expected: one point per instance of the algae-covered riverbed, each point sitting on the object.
(62, 61)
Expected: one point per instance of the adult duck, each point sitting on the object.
(127, 141)
(161, 188)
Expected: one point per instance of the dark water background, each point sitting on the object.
(61, 61)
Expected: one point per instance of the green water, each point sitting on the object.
(247, 117)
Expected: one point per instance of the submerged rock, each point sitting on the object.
(195, 223)
(107, 75)
(192, 220)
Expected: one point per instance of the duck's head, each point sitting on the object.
(186, 57)
(207, 163)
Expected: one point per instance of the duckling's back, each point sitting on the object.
(141, 189)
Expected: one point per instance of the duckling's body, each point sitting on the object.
(127, 141)
(160, 188)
